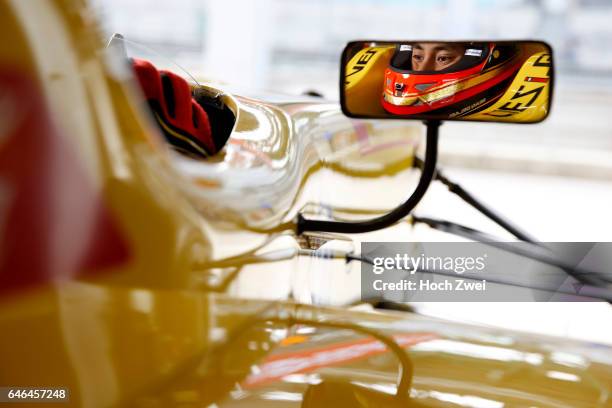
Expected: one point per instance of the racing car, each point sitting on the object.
(134, 275)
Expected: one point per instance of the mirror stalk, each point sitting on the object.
(384, 221)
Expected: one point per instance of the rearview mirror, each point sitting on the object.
(493, 81)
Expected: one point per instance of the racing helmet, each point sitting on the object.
(479, 78)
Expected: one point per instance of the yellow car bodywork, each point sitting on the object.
(150, 330)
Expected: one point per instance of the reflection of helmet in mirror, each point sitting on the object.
(478, 77)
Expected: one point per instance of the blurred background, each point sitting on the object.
(554, 179)
(263, 43)
(292, 46)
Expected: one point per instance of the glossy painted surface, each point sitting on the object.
(149, 328)
(184, 348)
(274, 149)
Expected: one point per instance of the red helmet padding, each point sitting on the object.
(170, 97)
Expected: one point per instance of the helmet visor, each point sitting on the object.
(437, 58)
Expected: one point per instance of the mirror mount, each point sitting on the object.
(395, 215)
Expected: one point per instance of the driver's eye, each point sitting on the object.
(417, 57)
(444, 58)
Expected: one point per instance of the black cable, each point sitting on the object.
(485, 210)
(582, 275)
(467, 197)
(354, 227)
